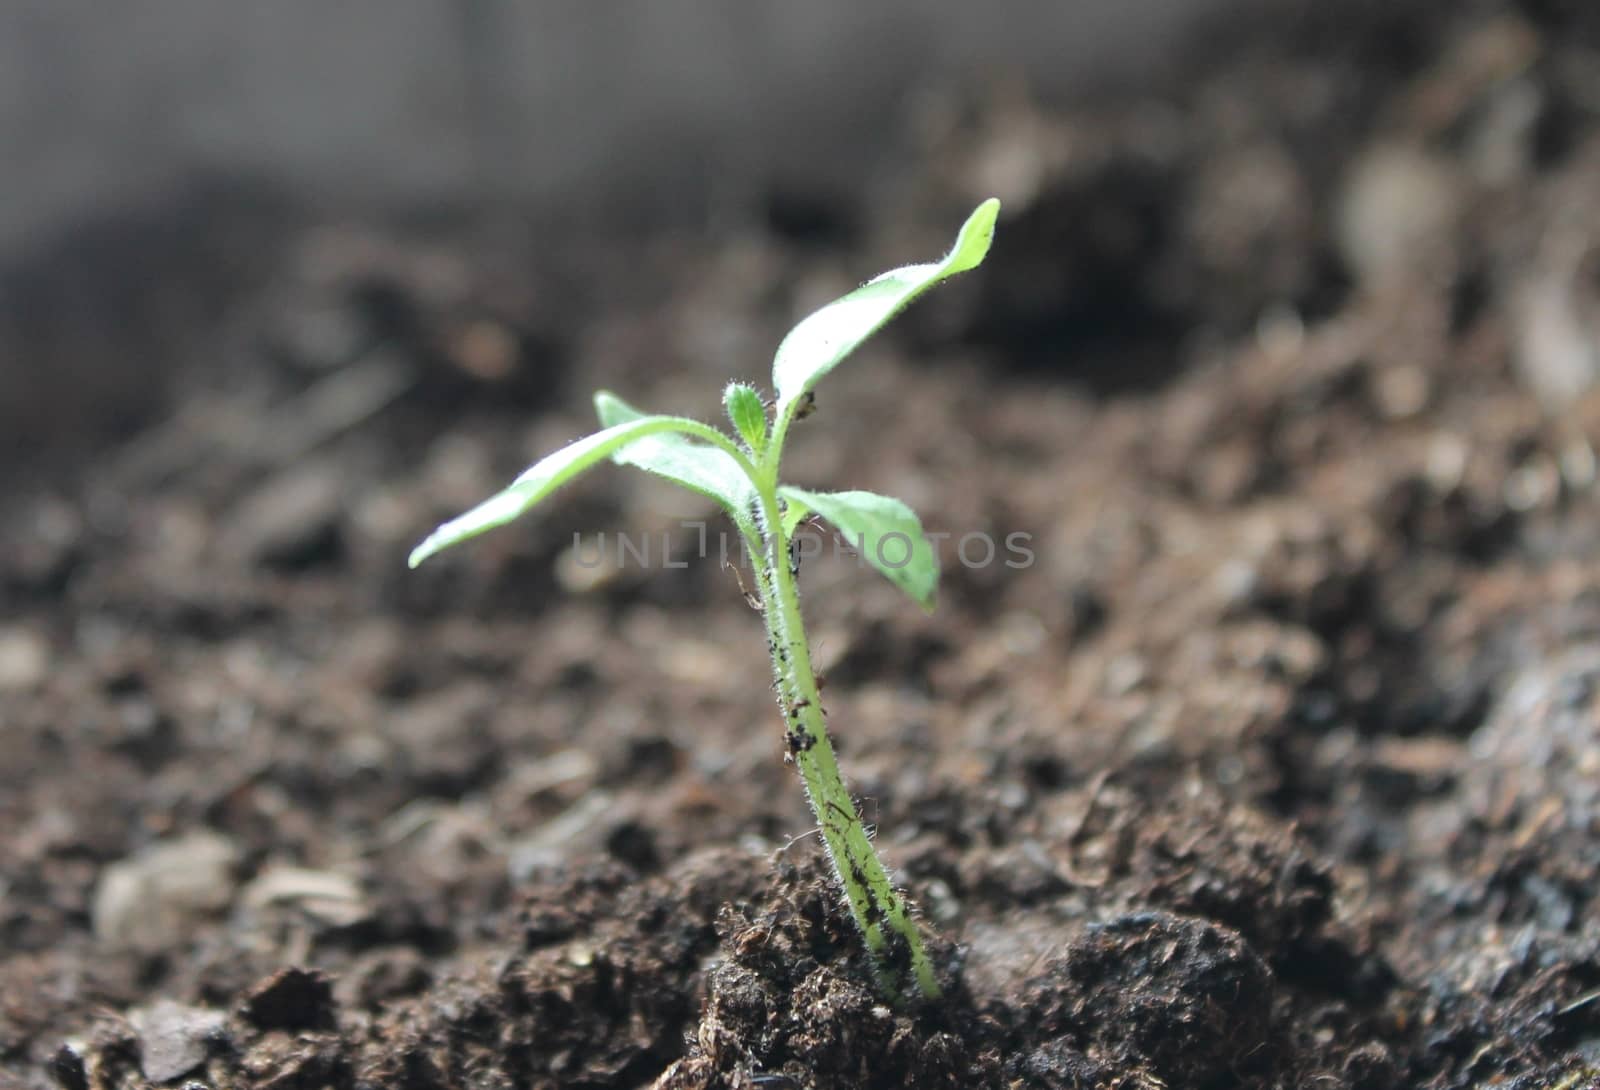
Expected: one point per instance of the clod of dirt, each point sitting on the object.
(1183, 999)
(1525, 806)
(1259, 880)
(1370, 1067)
(291, 999)
(382, 977)
(174, 1039)
(1056, 1065)
(788, 1005)
(283, 1062)
(153, 900)
(68, 1068)
(555, 914)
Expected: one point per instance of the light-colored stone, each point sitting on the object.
(152, 901)
(327, 897)
(24, 659)
(1398, 206)
(173, 1038)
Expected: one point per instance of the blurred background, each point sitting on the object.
(155, 154)
(422, 104)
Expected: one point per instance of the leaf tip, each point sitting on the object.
(976, 236)
(605, 407)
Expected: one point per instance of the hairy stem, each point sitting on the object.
(887, 926)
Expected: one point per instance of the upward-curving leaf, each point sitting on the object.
(544, 477)
(822, 340)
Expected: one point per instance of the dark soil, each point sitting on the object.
(1278, 767)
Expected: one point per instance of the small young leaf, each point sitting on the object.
(885, 531)
(748, 414)
(543, 478)
(688, 462)
(821, 341)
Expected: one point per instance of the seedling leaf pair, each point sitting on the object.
(703, 460)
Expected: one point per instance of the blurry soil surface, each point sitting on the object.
(1278, 766)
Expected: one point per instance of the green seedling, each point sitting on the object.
(740, 472)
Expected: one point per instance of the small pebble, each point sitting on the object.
(153, 900)
(173, 1038)
(24, 660)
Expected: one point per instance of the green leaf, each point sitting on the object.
(748, 414)
(884, 531)
(543, 478)
(822, 340)
(682, 460)
(794, 513)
